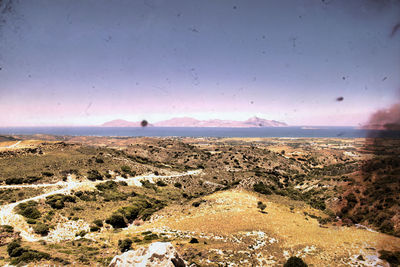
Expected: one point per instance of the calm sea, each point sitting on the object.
(344, 132)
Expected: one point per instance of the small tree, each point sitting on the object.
(262, 188)
(125, 245)
(117, 221)
(261, 205)
(98, 222)
(161, 183)
(41, 229)
(12, 246)
(126, 168)
(295, 262)
(94, 175)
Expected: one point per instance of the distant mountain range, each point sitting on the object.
(191, 122)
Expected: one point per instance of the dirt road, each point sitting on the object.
(9, 217)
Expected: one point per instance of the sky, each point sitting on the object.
(87, 62)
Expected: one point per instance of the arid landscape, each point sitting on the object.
(189, 133)
(219, 201)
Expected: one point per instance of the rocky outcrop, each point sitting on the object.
(157, 254)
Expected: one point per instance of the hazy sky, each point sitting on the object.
(87, 62)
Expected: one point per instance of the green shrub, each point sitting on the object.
(193, 241)
(31, 221)
(41, 229)
(387, 227)
(109, 185)
(94, 175)
(262, 188)
(150, 237)
(113, 195)
(14, 181)
(147, 184)
(125, 245)
(140, 207)
(31, 255)
(178, 185)
(7, 228)
(146, 233)
(146, 213)
(31, 179)
(126, 169)
(48, 174)
(317, 204)
(86, 195)
(81, 233)
(94, 228)
(98, 223)
(28, 210)
(130, 212)
(116, 220)
(161, 183)
(137, 239)
(393, 258)
(323, 220)
(12, 246)
(295, 262)
(16, 252)
(261, 205)
(197, 203)
(58, 201)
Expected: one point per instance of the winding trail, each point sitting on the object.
(9, 217)
(14, 145)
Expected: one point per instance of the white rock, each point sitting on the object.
(157, 254)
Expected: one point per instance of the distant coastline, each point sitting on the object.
(212, 132)
(192, 122)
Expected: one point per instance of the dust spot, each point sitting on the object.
(340, 98)
(394, 29)
(144, 123)
(192, 29)
(293, 39)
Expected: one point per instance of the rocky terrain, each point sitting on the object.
(200, 201)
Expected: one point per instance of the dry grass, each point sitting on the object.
(231, 213)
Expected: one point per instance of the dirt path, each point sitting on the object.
(15, 145)
(9, 217)
(131, 181)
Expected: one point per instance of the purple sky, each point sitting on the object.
(87, 62)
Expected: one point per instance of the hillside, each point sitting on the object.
(238, 201)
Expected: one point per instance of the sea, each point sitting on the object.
(289, 132)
